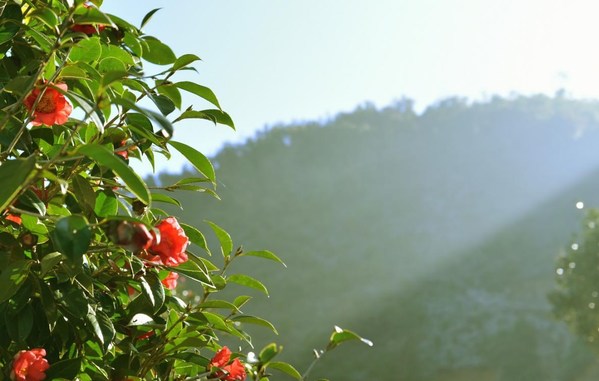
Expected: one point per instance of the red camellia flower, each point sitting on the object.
(29, 365)
(170, 282)
(52, 107)
(227, 372)
(171, 245)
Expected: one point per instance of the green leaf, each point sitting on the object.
(72, 236)
(91, 110)
(196, 237)
(33, 224)
(199, 90)
(170, 91)
(10, 21)
(148, 16)
(157, 52)
(84, 192)
(285, 368)
(164, 104)
(107, 158)
(159, 118)
(196, 158)
(226, 243)
(219, 304)
(268, 353)
(12, 277)
(29, 200)
(263, 254)
(75, 302)
(46, 15)
(49, 261)
(112, 64)
(160, 197)
(248, 281)
(255, 320)
(241, 300)
(64, 370)
(194, 271)
(341, 335)
(106, 204)
(86, 50)
(14, 174)
(215, 116)
(184, 60)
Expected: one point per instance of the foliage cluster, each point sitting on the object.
(88, 261)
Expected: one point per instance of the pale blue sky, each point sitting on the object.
(272, 61)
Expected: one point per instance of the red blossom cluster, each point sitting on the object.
(165, 245)
(234, 371)
(29, 365)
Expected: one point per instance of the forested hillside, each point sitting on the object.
(434, 235)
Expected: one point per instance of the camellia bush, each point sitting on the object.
(89, 263)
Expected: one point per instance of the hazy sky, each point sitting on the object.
(272, 61)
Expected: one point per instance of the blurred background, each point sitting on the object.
(419, 166)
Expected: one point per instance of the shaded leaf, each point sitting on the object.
(248, 281)
(107, 158)
(196, 158)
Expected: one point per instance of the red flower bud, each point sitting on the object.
(52, 107)
(170, 248)
(132, 236)
(29, 365)
(170, 282)
(13, 218)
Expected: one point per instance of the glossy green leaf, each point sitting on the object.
(107, 158)
(215, 116)
(194, 271)
(49, 261)
(86, 50)
(158, 118)
(29, 200)
(84, 192)
(341, 335)
(285, 368)
(255, 320)
(64, 370)
(12, 277)
(164, 104)
(157, 52)
(241, 300)
(196, 158)
(184, 60)
(161, 197)
(268, 353)
(264, 254)
(170, 91)
(14, 174)
(148, 16)
(199, 90)
(90, 109)
(33, 224)
(247, 281)
(106, 204)
(196, 237)
(72, 237)
(226, 243)
(10, 21)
